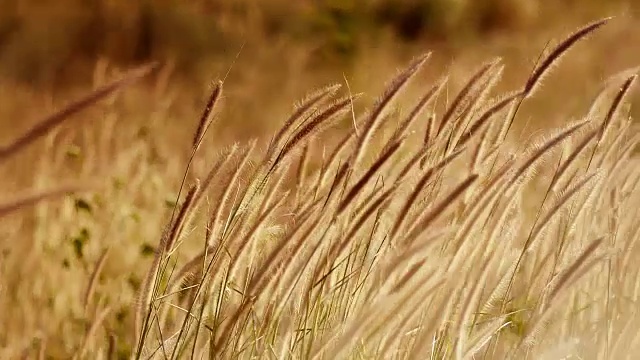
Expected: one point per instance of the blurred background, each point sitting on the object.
(52, 49)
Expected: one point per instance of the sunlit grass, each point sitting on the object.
(426, 231)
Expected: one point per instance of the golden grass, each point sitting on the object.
(423, 234)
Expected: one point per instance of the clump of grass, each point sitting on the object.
(394, 259)
(420, 248)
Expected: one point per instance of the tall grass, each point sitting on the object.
(421, 234)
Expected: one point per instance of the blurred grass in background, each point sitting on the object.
(46, 42)
(49, 48)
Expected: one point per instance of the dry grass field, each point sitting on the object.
(457, 206)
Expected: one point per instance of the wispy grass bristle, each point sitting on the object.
(304, 106)
(207, 115)
(455, 106)
(545, 64)
(366, 177)
(375, 117)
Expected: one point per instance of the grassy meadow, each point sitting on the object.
(436, 192)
